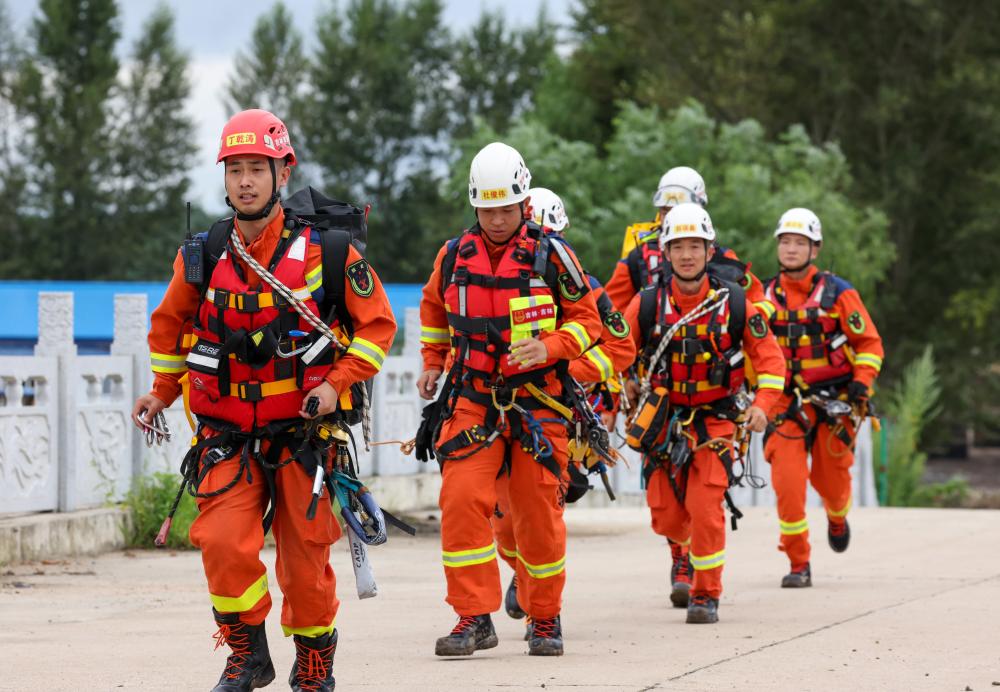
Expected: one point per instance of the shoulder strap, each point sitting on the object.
(604, 306)
(647, 312)
(636, 265)
(334, 245)
(215, 245)
(448, 262)
(830, 291)
(737, 312)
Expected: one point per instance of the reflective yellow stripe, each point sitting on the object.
(840, 512)
(765, 381)
(245, 601)
(508, 553)
(543, 571)
(712, 561)
(434, 335)
(794, 528)
(367, 351)
(579, 333)
(467, 558)
(870, 359)
(314, 279)
(167, 362)
(766, 308)
(596, 356)
(315, 631)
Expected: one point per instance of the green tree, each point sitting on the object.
(376, 122)
(908, 89)
(751, 179)
(497, 69)
(12, 159)
(62, 99)
(272, 73)
(152, 154)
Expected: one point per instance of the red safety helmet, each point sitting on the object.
(256, 131)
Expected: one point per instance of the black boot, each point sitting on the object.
(680, 575)
(546, 637)
(249, 666)
(838, 535)
(703, 610)
(510, 600)
(527, 629)
(313, 667)
(800, 577)
(471, 633)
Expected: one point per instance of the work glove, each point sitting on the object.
(857, 392)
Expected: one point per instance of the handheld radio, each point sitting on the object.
(194, 255)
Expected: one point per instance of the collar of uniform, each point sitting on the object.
(683, 301)
(268, 236)
(803, 285)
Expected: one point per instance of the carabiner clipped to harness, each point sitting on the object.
(359, 509)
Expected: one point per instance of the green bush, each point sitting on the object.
(149, 502)
(951, 493)
(910, 406)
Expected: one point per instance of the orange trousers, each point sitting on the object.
(468, 501)
(503, 524)
(700, 521)
(229, 533)
(830, 475)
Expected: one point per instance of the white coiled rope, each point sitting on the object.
(309, 317)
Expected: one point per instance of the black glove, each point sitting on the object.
(425, 434)
(857, 392)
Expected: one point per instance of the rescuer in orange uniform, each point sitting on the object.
(251, 401)
(597, 370)
(510, 306)
(833, 351)
(693, 334)
(642, 259)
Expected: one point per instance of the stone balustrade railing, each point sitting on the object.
(66, 441)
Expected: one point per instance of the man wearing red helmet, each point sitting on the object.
(254, 363)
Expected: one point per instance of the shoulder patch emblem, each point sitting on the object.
(616, 324)
(360, 276)
(856, 322)
(568, 288)
(758, 327)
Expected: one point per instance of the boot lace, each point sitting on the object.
(838, 529)
(546, 628)
(465, 623)
(238, 639)
(312, 665)
(700, 600)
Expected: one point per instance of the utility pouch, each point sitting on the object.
(530, 316)
(650, 425)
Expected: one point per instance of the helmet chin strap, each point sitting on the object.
(266, 211)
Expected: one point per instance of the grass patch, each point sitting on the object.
(148, 504)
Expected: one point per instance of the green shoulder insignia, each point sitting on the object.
(568, 288)
(758, 326)
(360, 276)
(856, 322)
(616, 324)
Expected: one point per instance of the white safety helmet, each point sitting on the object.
(498, 177)
(800, 221)
(679, 185)
(547, 209)
(687, 220)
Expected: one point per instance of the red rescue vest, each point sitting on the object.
(236, 374)
(810, 337)
(478, 300)
(704, 361)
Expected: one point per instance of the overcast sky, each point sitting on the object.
(212, 31)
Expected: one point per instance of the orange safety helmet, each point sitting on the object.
(256, 131)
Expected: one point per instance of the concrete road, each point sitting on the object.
(913, 605)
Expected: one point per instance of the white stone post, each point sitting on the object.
(55, 338)
(131, 327)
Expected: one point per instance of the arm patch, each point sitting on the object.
(758, 326)
(616, 324)
(360, 276)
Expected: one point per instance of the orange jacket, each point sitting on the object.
(610, 355)
(621, 290)
(562, 344)
(169, 334)
(763, 351)
(854, 319)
